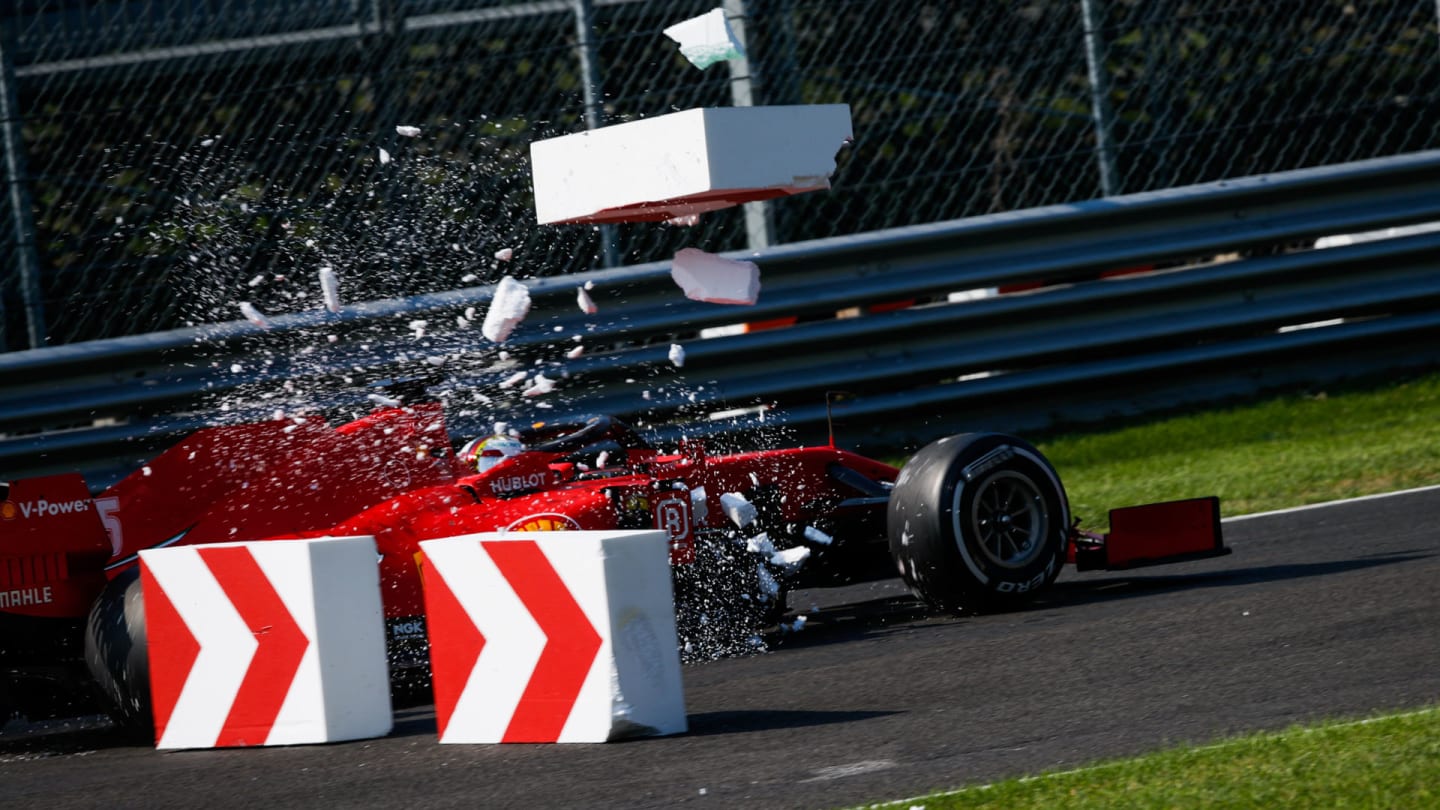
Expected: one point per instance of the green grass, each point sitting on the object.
(1281, 452)
(1390, 762)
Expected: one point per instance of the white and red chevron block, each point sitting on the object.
(280, 642)
(564, 636)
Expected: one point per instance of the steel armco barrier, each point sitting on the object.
(1231, 277)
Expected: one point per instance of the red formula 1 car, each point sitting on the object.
(972, 522)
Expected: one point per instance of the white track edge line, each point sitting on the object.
(1327, 504)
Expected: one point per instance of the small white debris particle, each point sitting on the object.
(333, 338)
(602, 459)
(384, 157)
(258, 280)
(791, 558)
(381, 399)
(236, 368)
(587, 304)
(330, 288)
(407, 131)
(677, 355)
(539, 385)
(575, 353)
(818, 537)
(146, 471)
(254, 315)
(760, 544)
(504, 254)
(514, 379)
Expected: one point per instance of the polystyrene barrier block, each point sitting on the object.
(279, 642)
(562, 636)
(687, 162)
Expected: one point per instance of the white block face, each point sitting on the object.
(687, 163)
(268, 643)
(552, 636)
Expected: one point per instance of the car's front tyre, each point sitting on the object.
(978, 522)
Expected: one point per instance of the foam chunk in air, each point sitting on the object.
(715, 279)
(687, 163)
(508, 307)
(706, 39)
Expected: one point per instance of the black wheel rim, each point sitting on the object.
(1010, 519)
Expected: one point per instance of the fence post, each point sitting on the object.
(759, 224)
(1099, 96)
(17, 194)
(594, 102)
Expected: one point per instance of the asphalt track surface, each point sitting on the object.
(1319, 614)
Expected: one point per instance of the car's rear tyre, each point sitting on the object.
(116, 655)
(978, 522)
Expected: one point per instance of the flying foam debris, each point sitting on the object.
(407, 131)
(677, 355)
(254, 315)
(587, 304)
(688, 162)
(740, 511)
(715, 279)
(330, 288)
(706, 39)
(508, 307)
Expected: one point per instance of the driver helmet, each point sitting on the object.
(487, 451)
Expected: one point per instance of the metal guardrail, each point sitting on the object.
(1193, 329)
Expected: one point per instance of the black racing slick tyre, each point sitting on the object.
(116, 655)
(978, 522)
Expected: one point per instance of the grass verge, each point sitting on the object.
(1385, 762)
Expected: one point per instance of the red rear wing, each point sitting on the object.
(1153, 534)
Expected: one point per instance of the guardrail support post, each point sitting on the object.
(17, 195)
(1100, 95)
(594, 102)
(759, 223)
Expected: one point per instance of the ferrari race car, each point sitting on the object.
(972, 522)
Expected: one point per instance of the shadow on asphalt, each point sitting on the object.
(878, 617)
(1104, 589)
(707, 724)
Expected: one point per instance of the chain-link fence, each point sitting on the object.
(164, 159)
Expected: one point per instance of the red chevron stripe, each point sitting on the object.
(277, 659)
(455, 644)
(171, 646)
(571, 642)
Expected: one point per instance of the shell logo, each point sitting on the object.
(8, 510)
(547, 522)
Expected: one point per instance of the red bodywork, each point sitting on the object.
(392, 475)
